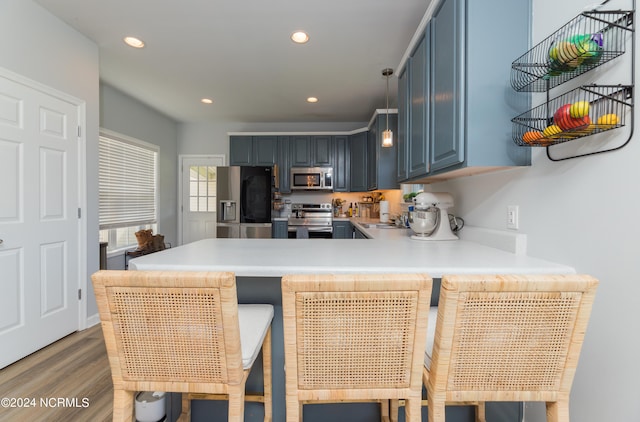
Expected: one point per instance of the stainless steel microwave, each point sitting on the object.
(312, 178)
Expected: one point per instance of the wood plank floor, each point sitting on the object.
(74, 369)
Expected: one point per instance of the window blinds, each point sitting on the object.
(127, 184)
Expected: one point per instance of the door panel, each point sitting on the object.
(39, 225)
(199, 197)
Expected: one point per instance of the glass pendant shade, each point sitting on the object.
(387, 138)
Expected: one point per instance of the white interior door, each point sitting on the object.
(198, 198)
(39, 224)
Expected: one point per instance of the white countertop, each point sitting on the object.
(388, 251)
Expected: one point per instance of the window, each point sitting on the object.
(202, 188)
(127, 189)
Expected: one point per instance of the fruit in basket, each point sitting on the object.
(579, 49)
(551, 131)
(561, 115)
(532, 136)
(568, 54)
(607, 121)
(592, 49)
(579, 109)
(562, 118)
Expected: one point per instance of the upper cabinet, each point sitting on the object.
(382, 161)
(312, 151)
(342, 163)
(358, 159)
(253, 150)
(455, 99)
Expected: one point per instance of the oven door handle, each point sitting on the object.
(327, 229)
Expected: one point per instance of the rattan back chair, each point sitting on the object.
(181, 332)
(351, 338)
(508, 338)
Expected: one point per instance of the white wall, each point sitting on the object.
(127, 116)
(39, 46)
(582, 212)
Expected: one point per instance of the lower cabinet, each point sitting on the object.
(279, 229)
(358, 234)
(342, 230)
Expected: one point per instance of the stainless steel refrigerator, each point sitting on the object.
(244, 196)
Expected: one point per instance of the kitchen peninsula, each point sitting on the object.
(260, 263)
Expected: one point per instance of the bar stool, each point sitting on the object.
(182, 332)
(506, 338)
(351, 338)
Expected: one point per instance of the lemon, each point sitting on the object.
(607, 121)
(579, 109)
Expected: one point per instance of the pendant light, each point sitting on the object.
(387, 135)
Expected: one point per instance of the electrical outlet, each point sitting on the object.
(512, 217)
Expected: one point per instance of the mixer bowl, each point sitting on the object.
(424, 222)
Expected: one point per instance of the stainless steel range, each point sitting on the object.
(311, 220)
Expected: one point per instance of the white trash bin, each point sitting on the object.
(150, 406)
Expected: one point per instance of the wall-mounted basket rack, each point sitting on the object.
(589, 40)
(586, 42)
(584, 111)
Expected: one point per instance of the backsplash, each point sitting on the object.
(394, 196)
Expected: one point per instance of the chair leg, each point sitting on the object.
(480, 412)
(394, 405)
(435, 410)
(412, 409)
(123, 405)
(185, 414)
(236, 403)
(267, 378)
(558, 411)
(384, 410)
(293, 409)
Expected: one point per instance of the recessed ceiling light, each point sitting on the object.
(134, 42)
(206, 101)
(312, 100)
(300, 37)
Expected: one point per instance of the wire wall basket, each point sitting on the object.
(587, 41)
(584, 111)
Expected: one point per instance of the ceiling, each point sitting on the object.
(239, 54)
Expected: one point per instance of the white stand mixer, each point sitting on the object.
(430, 219)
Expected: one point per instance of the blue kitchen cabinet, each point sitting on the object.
(253, 150)
(284, 165)
(382, 161)
(358, 161)
(265, 150)
(402, 153)
(457, 103)
(342, 230)
(300, 150)
(341, 165)
(447, 85)
(322, 152)
(312, 151)
(240, 150)
(419, 104)
(358, 234)
(279, 229)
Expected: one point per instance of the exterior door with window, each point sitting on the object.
(199, 197)
(39, 222)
